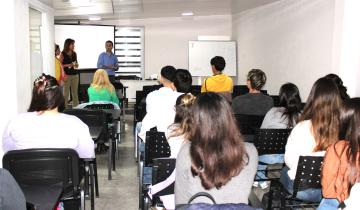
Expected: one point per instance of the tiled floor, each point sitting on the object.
(120, 193)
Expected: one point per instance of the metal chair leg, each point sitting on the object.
(96, 178)
(92, 180)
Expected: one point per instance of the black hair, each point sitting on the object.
(339, 83)
(67, 44)
(257, 78)
(290, 99)
(109, 41)
(46, 95)
(182, 81)
(218, 62)
(57, 47)
(168, 72)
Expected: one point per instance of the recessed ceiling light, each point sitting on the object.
(187, 13)
(94, 18)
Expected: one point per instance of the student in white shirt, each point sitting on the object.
(43, 126)
(160, 104)
(318, 128)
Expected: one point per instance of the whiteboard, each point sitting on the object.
(89, 41)
(201, 52)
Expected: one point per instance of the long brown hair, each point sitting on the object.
(67, 44)
(322, 108)
(350, 130)
(217, 150)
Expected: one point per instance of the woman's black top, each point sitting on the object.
(68, 60)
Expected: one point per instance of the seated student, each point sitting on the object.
(352, 203)
(341, 168)
(11, 196)
(283, 117)
(160, 104)
(177, 135)
(342, 89)
(318, 128)
(254, 102)
(43, 126)
(219, 82)
(215, 160)
(101, 89)
(182, 81)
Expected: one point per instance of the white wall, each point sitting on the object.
(166, 39)
(16, 84)
(291, 40)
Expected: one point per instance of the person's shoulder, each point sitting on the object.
(250, 149)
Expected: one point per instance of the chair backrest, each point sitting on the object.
(149, 88)
(89, 117)
(249, 124)
(195, 90)
(276, 100)
(100, 106)
(44, 166)
(156, 146)
(161, 170)
(239, 90)
(271, 141)
(140, 107)
(308, 174)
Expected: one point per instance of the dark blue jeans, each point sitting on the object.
(313, 195)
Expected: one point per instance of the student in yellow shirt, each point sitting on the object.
(219, 82)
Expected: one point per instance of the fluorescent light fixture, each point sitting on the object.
(187, 13)
(94, 18)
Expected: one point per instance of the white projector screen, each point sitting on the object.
(89, 41)
(201, 52)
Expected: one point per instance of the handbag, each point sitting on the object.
(213, 206)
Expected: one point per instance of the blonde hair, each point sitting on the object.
(101, 80)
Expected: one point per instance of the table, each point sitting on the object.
(43, 196)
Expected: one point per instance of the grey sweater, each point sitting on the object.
(252, 104)
(237, 190)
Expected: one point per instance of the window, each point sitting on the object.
(129, 49)
(36, 59)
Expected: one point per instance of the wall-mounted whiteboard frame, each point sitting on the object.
(201, 52)
(89, 41)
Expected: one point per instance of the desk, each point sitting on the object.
(42, 196)
(134, 85)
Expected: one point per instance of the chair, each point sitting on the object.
(113, 114)
(139, 114)
(248, 125)
(268, 142)
(161, 170)
(308, 176)
(156, 146)
(195, 90)
(43, 170)
(96, 120)
(276, 100)
(239, 90)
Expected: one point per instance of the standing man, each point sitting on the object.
(108, 61)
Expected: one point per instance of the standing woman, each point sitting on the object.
(69, 62)
(59, 71)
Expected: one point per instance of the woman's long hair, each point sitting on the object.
(101, 80)
(217, 149)
(339, 83)
(350, 130)
(182, 121)
(322, 108)
(67, 44)
(46, 95)
(290, 99)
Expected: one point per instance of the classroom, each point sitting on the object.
(158, 103)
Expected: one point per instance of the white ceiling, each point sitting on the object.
(122, 9)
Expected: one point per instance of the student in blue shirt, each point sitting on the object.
(108, 61)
